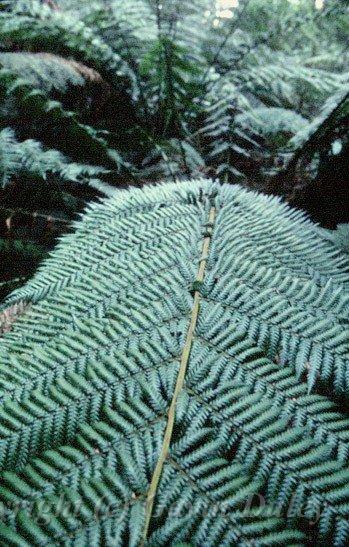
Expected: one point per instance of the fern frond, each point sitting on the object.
(171, 159)
(29, 159)
(43, 70)
(41, 28)
(336, 107)
(228, 145)
(256, 452)
(279, 123)
(341, 237)
(52, 115)
(286, 80)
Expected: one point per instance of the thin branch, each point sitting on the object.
(34, 214)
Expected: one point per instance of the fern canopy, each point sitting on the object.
(92, 354)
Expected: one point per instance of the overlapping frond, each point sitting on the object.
(51, 115)
(28, 159)
(40, 28)
(46, 71)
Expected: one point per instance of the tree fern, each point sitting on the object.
(229, 144)
(287, 81)
(43, 185)
(174, 372)
(169, 77)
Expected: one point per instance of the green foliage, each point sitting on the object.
(51, 113)
(42, 70)
(333, 112)
(38, 27)
(174, 79)
(340, 237)
(259, 452)
(170, 68)
(99, 95)
(103, 94)
(27, 159)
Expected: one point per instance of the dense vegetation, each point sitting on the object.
(174, 359)
(177, 370)
(126, 92)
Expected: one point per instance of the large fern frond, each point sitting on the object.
(172, 372)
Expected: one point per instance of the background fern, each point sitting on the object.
(125, 93)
